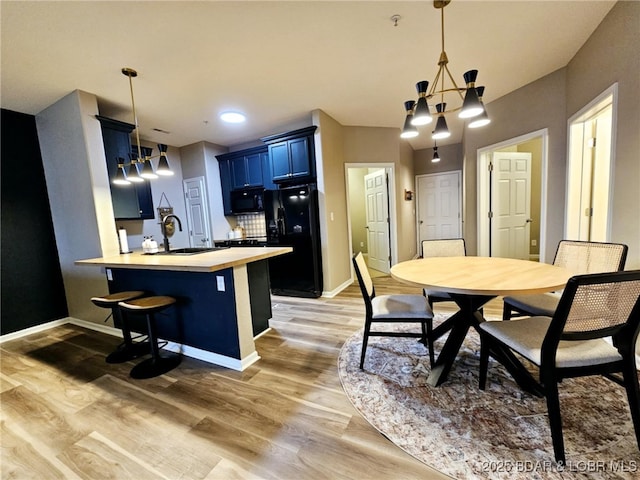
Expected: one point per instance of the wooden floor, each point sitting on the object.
(67, 414)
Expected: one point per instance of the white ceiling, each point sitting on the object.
(275, 61)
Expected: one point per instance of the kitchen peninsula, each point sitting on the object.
(223, 298)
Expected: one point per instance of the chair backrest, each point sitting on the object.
(595, 306)
(590, 257)
(450, 247)
(364, 279)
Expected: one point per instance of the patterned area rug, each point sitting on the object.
(499, 433)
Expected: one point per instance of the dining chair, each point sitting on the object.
(400, 308)
(451, 247)
(572, 342)
(580, 258)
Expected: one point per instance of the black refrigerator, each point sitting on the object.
(291, 215)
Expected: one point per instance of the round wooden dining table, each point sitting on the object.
(471, 282)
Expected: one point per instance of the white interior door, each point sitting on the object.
(438, 202)
(510, 205)
(589, 173)
(197, 212)
(377, 214)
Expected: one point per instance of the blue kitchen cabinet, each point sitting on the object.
(292, 156)
(130, 202)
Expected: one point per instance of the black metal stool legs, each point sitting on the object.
(128, 349)
(158, 364)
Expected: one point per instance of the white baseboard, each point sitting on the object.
(205, 356)
(336, 291)
(36, 329)
(193, 352)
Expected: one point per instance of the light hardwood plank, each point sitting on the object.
(69, 414)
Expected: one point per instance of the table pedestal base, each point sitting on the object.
(458, 326)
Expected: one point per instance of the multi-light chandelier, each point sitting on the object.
(472, 108)
(140, 166)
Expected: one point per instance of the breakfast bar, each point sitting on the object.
(223, 298)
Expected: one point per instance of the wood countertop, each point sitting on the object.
(200, 262)
(481, 275)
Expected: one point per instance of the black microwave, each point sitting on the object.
(249, 200)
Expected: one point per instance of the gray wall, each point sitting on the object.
(79, 196)
(610, 55)
(536, 106)
(451, 159)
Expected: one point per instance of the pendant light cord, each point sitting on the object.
(135, 119)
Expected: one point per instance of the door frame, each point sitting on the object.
(393, 224)
(205, 202)
(417, 190)
(580, 117)
(483, 195)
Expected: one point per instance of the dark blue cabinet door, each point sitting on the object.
(238, 172)
(253, 165)
(130, 202)
(267, 178)
(299, 156)
(225, 184)
(292, 156)
(279, 156)
(246, 171)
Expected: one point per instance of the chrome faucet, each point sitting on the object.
(163, 226)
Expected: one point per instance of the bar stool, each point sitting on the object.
(128, 349)
(157, 364)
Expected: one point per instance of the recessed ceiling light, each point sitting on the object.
(232, 117)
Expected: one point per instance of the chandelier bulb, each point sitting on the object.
(436, 157)
(409, 130)
(121, 177)
(163, 164)
(134, 174)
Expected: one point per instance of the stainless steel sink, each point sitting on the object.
(191, 250)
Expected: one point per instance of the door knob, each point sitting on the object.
(528, 220)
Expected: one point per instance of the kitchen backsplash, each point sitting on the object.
(253, 223)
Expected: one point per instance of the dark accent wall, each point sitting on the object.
(31, 280)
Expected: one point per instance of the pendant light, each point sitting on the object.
(436, 157)
(409, 130)
(482, 119)
(121, 177)
(147, 169)
(469, 106)
(163, 164)
(140, 165)
(134, 173)
(441, 130)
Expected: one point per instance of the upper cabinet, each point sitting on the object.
(292, 155)
(243, 169)
(246, 171)
(130, 202)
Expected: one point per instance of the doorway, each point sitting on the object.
(589, 176)
(197, 212)
(376, 194)
(510, 205)
(512, 197)
(381, 198)
(438, 202)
